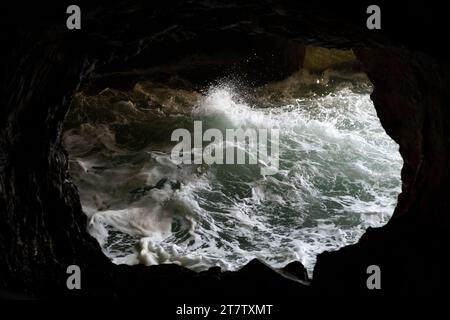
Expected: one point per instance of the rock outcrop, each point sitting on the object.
(411, 100)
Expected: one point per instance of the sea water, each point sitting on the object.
(339, 173)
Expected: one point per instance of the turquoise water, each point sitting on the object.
(339, 173)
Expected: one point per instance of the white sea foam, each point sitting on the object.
(339, 174)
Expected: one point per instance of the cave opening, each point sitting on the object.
(339, 172)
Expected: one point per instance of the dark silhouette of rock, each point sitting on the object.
(297, 270)
(42, 227)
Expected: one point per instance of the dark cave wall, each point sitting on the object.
(42, 228)
(412, 102)
(411, 98)
(40, 212)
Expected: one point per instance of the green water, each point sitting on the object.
(338, 174)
